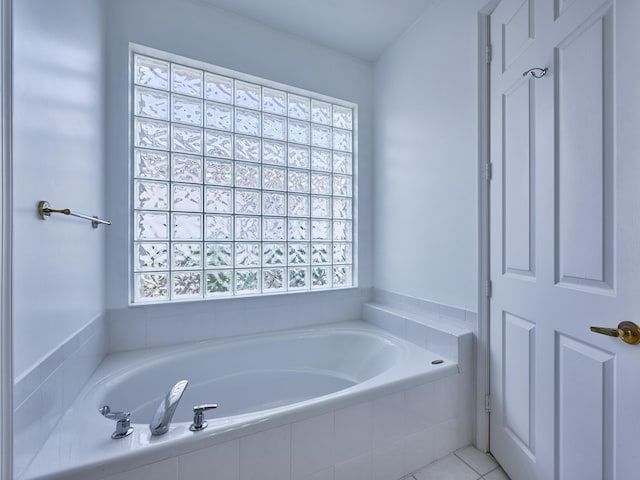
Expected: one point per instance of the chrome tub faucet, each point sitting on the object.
(162, 419)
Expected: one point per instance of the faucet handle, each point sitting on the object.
(198, 416)
(122, 419)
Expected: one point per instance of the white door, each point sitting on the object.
(565, 238)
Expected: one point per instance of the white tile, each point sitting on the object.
(326, 474)
(420, 411)
(447, 468)
(452, 435)
(497, 474)
(466, 353)
(163, 330)
(417, 333)
(219, 461)
(388, 462)
(52, 394)
(358, 468)
(312, 445)
(480, 462)
(164, 470)
(353, 431)
(126, 333)
(266, 455)
(418, 450)
(388, 419)
(27, 427)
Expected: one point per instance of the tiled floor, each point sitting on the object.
(464, 464)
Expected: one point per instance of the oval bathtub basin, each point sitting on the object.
(259, 382)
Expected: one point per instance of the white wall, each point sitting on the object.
(58, 146)
(196, 30)
(425, 170)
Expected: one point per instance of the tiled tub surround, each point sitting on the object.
(383, 428)
(44, 393)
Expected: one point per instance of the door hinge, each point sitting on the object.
(488, 287)
(487, 53)
(488, 170)
(487, 403)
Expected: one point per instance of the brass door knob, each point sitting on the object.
(628, 332)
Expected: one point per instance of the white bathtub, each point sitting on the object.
(259, 382)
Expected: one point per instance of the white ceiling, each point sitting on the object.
(362, 28)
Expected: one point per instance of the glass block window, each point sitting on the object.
(240, 186)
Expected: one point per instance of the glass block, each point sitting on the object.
(273, 178)
(321, 183)
(298, 132)
(298, 254)
(247, 202)
(218, 116)
(273, 279)
(150, 164)
(298, 205)
(151, 134)
(218, 200)
(218, 172)
(274, 127)
(187, 284)
(219, 227)
(273, 253)
(247, 122)
(320, 160)
(298, 229)
(342, 140)
(342, 117)
(219, 282)
(186, 227)
(186, 168)
(151, 72)
(273, 203)
(186, 80)
(342, 208)
(247, 95)
(321, 277)
(219, 254)
(298, 181)
(320, 112)
(247, 254)
(342, 231)
(298, 107)
(247, 228)
(342, 276)
(342, 163)
(342, 253)
(320, 253)
(342, 186)
(186, 198)
(247, 148)
(273, 229)
(274, 153)
(186, 110)
(218, 88)
(321, 207)
(320, 230)
(151, 195)
(151, 256)
(186, 139)
(218, 144)
(274, 101)
(186, 255)
(151, 286)
(298, 278)
(151, 103)
(247, 281)
(152, 226)
(247, 175)
(320, 136)
(298, 156)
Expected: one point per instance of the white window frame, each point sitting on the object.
(238, 76)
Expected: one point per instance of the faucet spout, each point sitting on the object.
(162, 419)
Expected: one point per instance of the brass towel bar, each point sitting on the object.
(45, 212)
